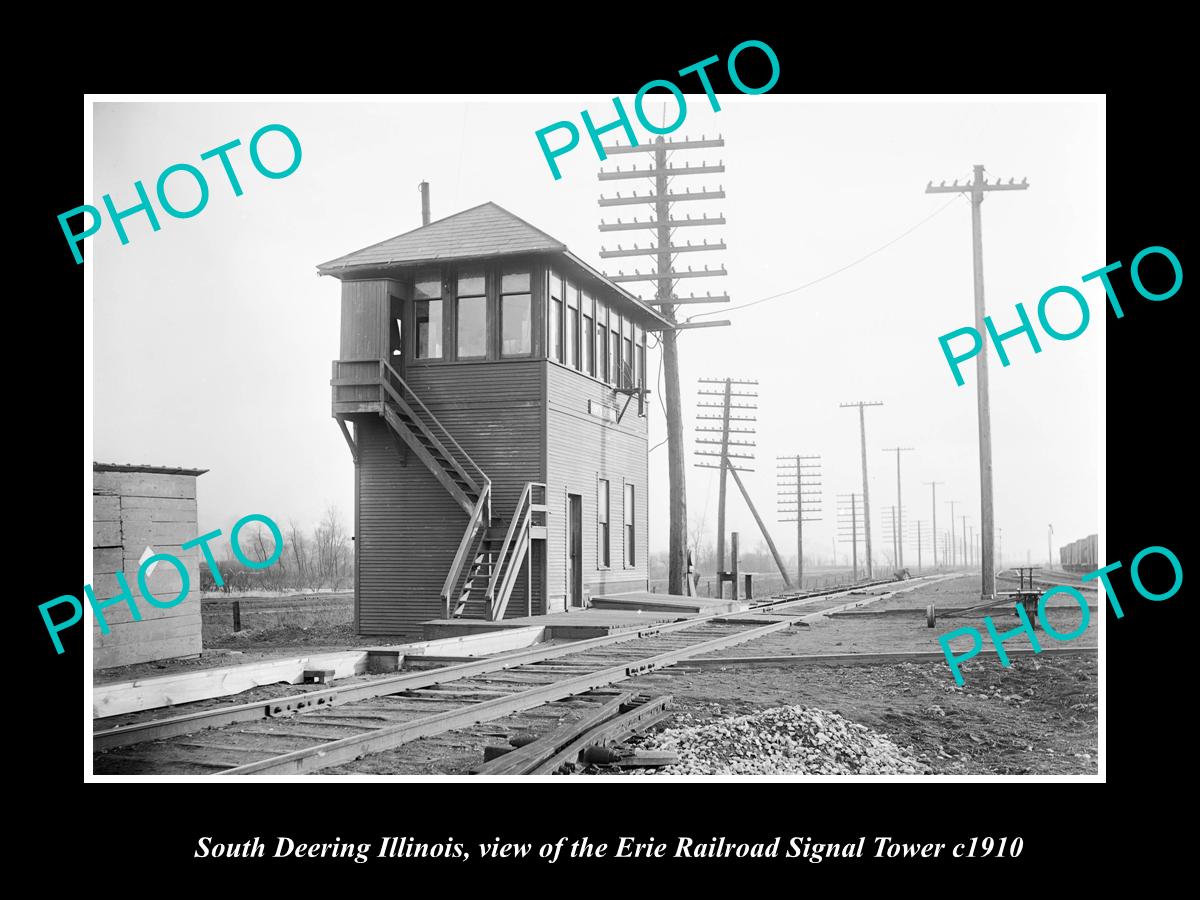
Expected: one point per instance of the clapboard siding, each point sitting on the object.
(581, 449)
(408, 525)
(133, 511)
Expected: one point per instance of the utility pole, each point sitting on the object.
(934, 485)
(1049, 547)
(977, 188)
(1000, 551)
(899, 504)
(664, 277)
(918, 546)
(853, 513)
(965, 545)
(953, 555)
(792, 476)
(730, 411)
(866, 490)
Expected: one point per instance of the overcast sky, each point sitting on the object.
(213, 336)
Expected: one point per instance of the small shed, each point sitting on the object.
(138, 511)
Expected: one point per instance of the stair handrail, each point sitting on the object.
(511, 573)
(490, 594)
(482, 505)
(385, 370)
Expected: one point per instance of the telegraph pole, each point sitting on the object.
(866, 491)
(732, 388)
(854, 501)
(1049, 547)
(899, 504)
(664, 252)
(953, 555)
(965, 545)
(977, 188)
(934, 485)
(792, 476)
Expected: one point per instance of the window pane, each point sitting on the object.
(515, 324)
(427, 288)
(614, 358)
(602, 550)
(589, 345)
(429, 329)
(601, 341)
(572, 295)
(556, 286)
(472, 326)
(573, 338)
(629, 554)
(556, 330)
(470, 285)
(515, 284)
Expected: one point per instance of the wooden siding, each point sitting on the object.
(408, 527)
(581, 449)
(133, 510)
(366, 319)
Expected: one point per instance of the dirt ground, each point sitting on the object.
(1040, 716)
(1037, 717)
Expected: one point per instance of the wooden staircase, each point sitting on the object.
(488, 560)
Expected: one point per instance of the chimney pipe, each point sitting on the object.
(424, 189)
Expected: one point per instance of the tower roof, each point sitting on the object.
(486, 230)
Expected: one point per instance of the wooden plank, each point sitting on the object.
(483, 643)
(147, 632)
(145, 484)
(123, 697)
(166, 506)
(129, 653)
(106, 560)
(106, 534)
(106, 508)
(138, 515)
(139, 533)
(522, 759)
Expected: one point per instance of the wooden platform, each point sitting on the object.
(572, 626)
(649, 602)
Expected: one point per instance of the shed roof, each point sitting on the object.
(140, 467)
(484, 230)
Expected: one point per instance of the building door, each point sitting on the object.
(574, 550)
(395, 341)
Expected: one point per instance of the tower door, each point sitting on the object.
(574, 550)
(395, 340)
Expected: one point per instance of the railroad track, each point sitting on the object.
(320, 729)
(1051, 579)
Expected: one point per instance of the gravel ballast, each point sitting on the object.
(787, 739)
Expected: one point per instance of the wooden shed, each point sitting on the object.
(138, 511)
(491, 387)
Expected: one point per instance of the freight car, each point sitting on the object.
(1080, 555)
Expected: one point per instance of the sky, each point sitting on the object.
(213, 337)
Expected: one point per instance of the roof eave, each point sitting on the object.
(650, 311)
